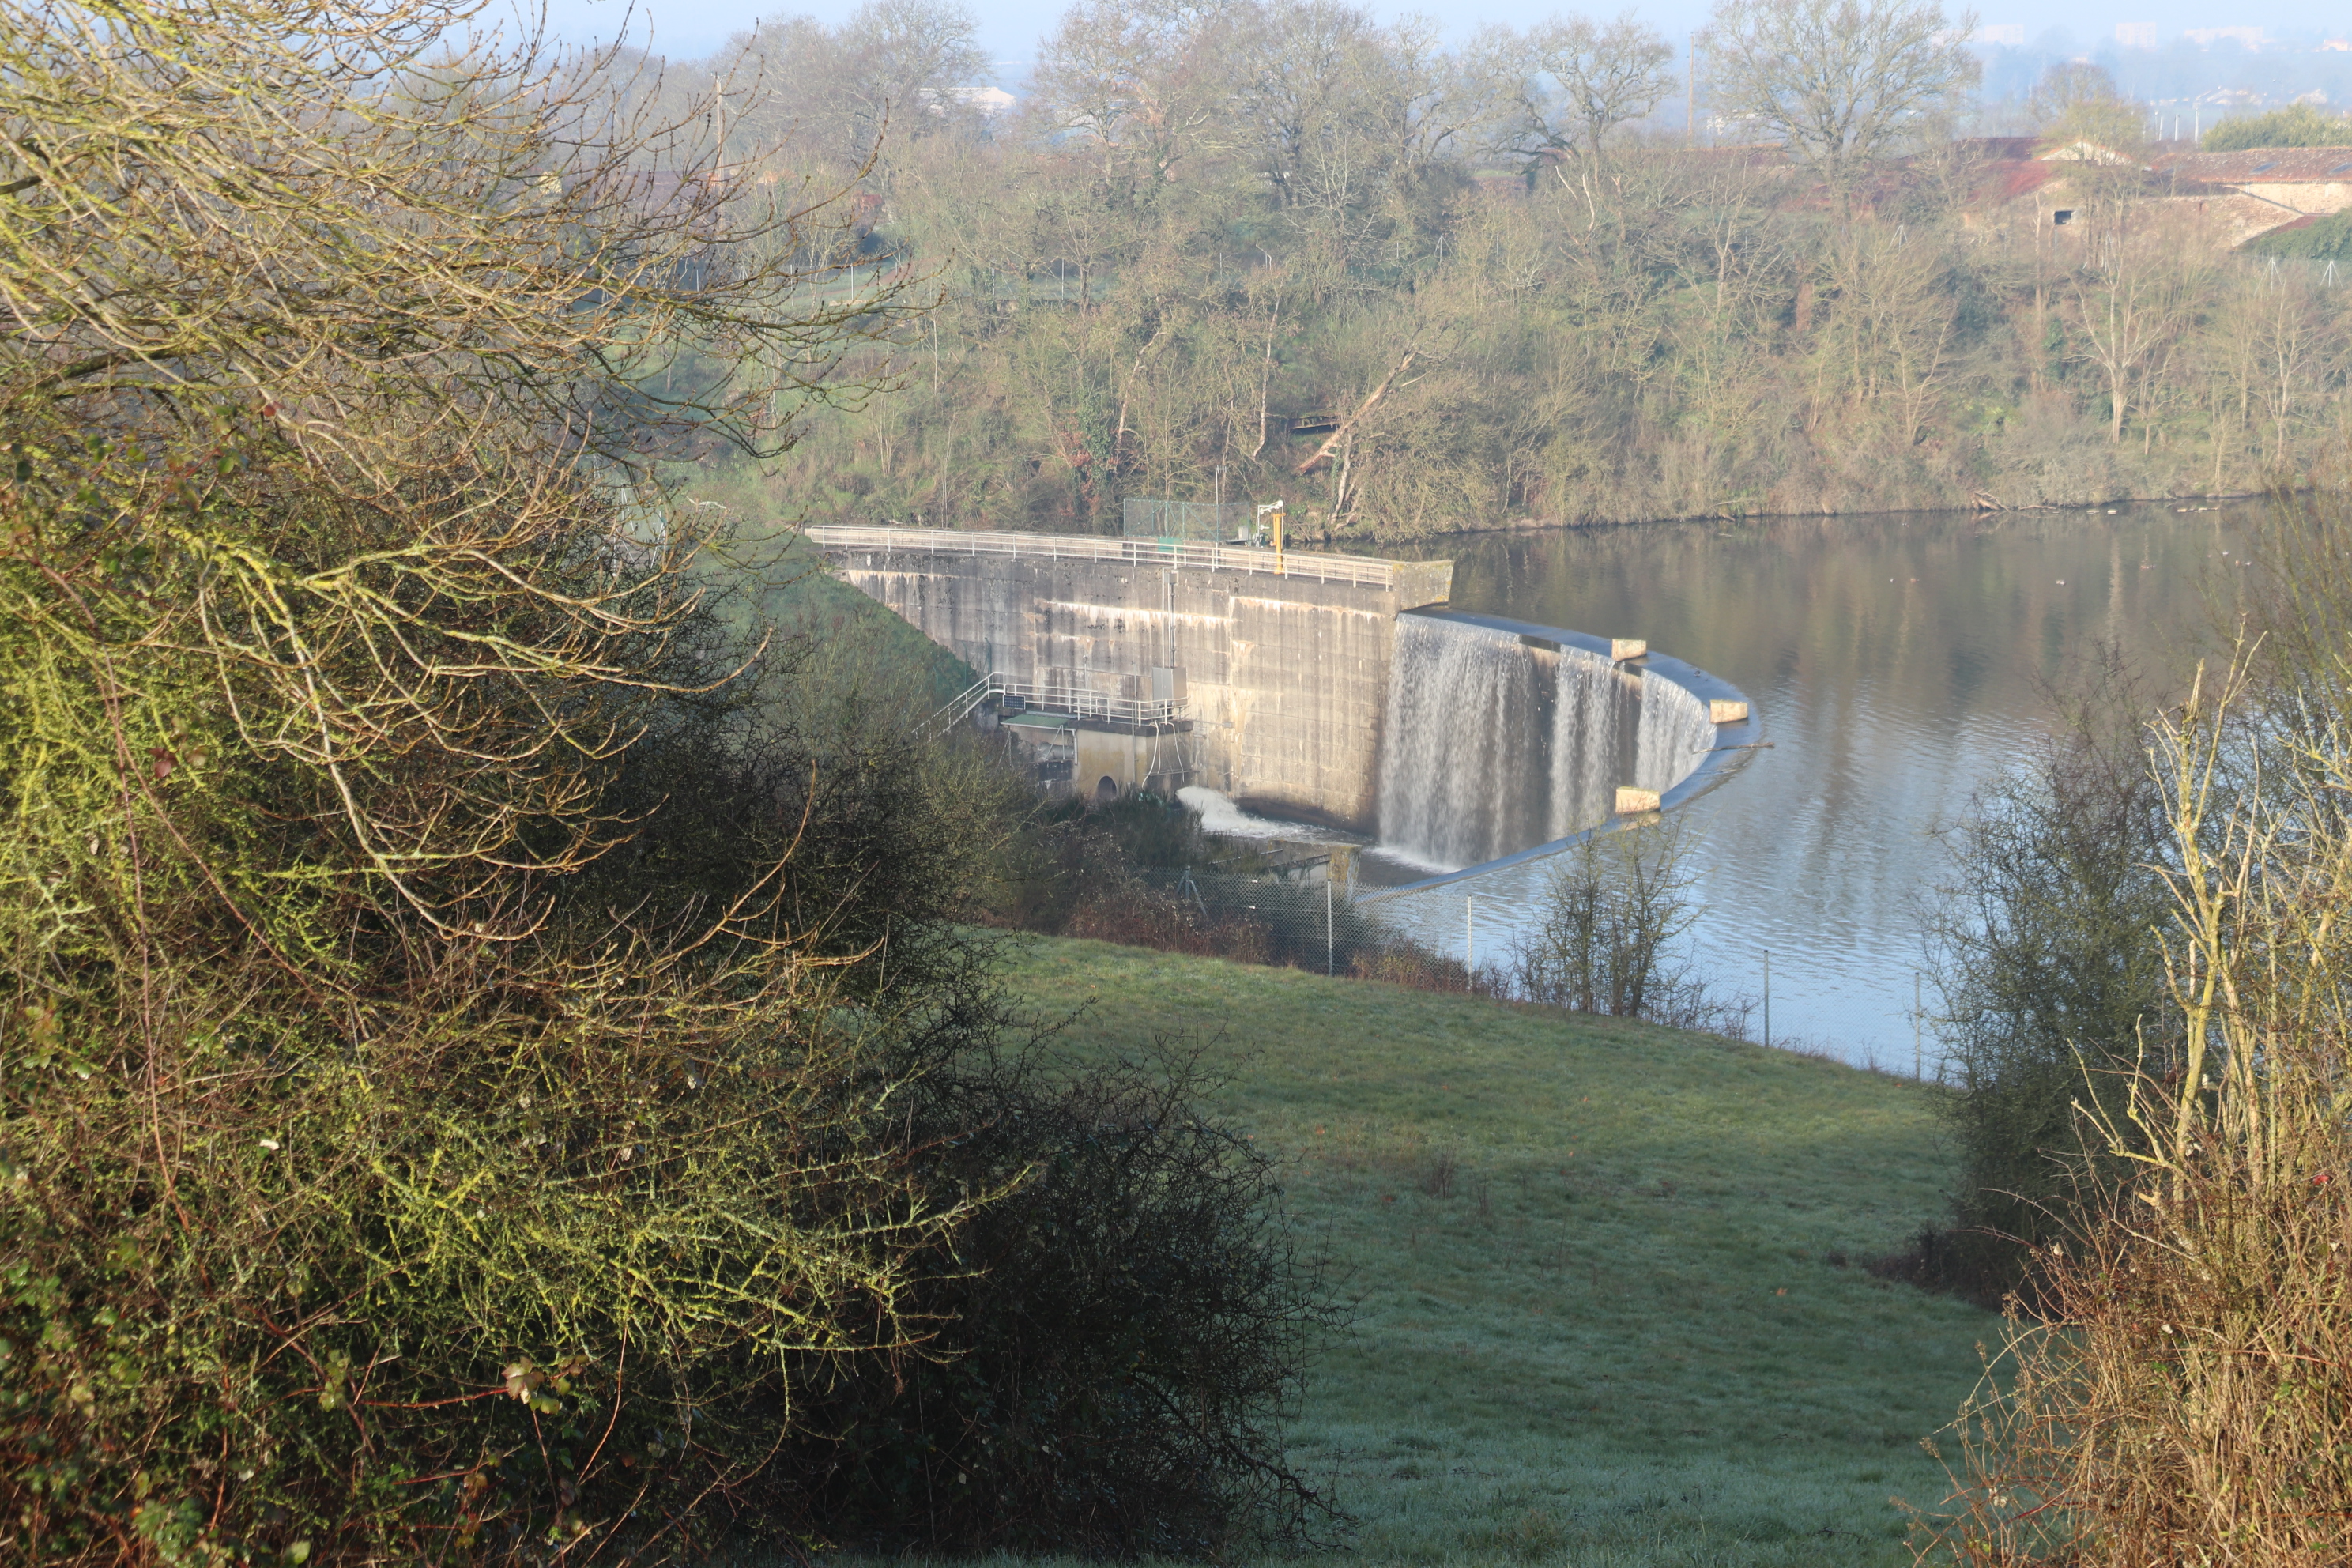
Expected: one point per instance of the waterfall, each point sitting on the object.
(1462, 752)
(1676, 733)
(1497, 742)
(1595, 729)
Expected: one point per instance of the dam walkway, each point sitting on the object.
(1433, 578)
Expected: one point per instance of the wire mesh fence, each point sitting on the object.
(1140, 517)
(1295, 906)
(1299, 913)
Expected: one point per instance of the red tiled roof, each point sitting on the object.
(2011, 180)
(2264, 165)
(2001, 149)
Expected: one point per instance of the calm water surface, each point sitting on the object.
(1897, 663)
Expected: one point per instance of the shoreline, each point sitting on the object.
(1540, 525)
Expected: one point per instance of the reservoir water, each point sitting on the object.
(1897, 662)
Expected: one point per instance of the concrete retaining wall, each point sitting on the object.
(1285, 673)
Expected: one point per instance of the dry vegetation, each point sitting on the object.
(2188, 1393)
(485, 1073)
(2163, 1096)
(1413, 287)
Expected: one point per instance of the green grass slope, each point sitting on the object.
(1597, 1320)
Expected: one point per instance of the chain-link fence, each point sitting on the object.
(1295, 905)
(1143, 519)
(1300, 905)
(1297, 912)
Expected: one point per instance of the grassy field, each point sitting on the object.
(1608, 1307)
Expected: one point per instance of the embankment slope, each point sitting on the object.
(1597, 1317)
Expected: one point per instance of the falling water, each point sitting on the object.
(1498, 741)
(1675, 735)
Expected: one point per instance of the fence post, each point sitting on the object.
(1768, 998)
(1326, 920)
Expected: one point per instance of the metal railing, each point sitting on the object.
(1053, 696)
(1201, 555)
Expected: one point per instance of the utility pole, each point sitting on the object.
(1768, 998)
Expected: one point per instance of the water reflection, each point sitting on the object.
(1897, 662)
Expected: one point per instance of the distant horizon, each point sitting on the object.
(1010, 30)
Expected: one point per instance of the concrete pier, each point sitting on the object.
(1277, 666)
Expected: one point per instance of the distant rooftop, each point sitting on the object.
(2263, 165)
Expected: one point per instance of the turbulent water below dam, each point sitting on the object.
(1896, 664)
(1496, 742)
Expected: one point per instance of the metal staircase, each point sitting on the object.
(1053, 697)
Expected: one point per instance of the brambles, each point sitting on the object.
(2049, 966)
(1114, 1340)
(452, 1028)
(2187, 1390)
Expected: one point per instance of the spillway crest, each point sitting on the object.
(1495, 742)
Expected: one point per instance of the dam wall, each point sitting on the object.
(1264, 676)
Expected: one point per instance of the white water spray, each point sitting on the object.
(1496, 743)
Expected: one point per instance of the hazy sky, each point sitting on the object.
(1010, 29)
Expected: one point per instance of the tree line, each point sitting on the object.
(1287, 250)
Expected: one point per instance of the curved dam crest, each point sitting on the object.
(1503, 737)
(1326, 688)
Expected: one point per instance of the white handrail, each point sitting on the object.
(1207, 555)
(959, 709)
(1054, 697)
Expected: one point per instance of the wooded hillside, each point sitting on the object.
(1412, 287)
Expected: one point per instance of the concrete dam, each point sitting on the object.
(1327, 688)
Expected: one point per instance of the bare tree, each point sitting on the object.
(2130, 312)
(1608, 928)
(908, 67)
(1438, 98)
(1127, 83)
(1306, 82)
(2298, 348)
(1887, 346)
(1574, 80)
(1841, 82)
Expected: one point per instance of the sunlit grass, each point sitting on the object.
(1596, 1314)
